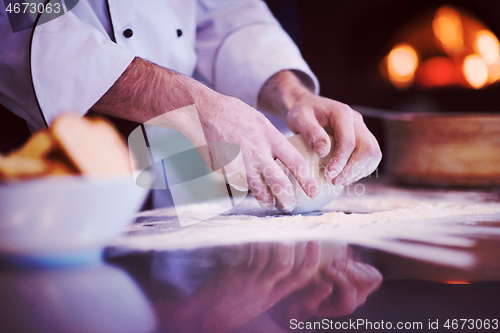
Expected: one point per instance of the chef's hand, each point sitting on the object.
(356, 151)
(261, 143)
(145, 91)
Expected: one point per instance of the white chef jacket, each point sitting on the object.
(68, 63)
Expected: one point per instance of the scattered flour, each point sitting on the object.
(383, 218)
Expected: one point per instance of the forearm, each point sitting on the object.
(146, 90)
(281, 92)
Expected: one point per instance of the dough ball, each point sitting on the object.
(316, 166)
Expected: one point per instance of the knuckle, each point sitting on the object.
(345, 109)
(315, 135)
(297, 118)
(357, 116)
(349, 145)
(253, 175)
(265, 200)
(296, 162)
(303, 109)
(370, 150)
(293, 117)
(286, 265)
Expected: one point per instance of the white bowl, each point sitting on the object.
(64, 215)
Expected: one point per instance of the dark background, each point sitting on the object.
(343, 42)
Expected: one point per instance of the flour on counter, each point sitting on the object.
(428, 225)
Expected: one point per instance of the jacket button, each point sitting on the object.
(128, 33)
(179, 32)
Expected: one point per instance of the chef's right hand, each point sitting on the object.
(146, 91)
(227, 119)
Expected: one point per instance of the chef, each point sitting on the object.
(136, 60)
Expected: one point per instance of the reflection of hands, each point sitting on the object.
(243, 291)
(337, 291)
(341, 288)
(356, 151)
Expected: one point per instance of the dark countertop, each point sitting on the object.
(270, 281)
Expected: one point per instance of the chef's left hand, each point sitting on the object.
(356, 151)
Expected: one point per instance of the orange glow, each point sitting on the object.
(452, 47)
(487, 46)
(402, 62)
(475, 71)
(438, 72)
(493, 72)
(457, 282)
(447, 27)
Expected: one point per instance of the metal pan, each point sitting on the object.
(441, 149)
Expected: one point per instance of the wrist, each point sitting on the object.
(182, 106)
(282, 92)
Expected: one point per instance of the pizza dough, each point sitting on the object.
(316, 166)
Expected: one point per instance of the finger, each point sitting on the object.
(282, 261)
(366, 170)
(344, 294)
(355, 169)
(361, 163)
(248, 255)
(377, 158)
(314, 133)
(367, 149)
(345, 142)
(366, 278)
(291, 161)
(303, 275)
(258, 186)
(236, 174)
(312, 297)
(371, 165)
(280, 185)
(260, 257)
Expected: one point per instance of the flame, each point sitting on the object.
(402, 62)
(487, 46)
(494, 72)
(448, 29)
(475, 70)
(471, 53)
(438, 72)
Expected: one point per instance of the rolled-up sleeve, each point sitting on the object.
(73, 65)
(240, 45)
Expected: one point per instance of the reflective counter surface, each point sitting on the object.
(289, 284)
